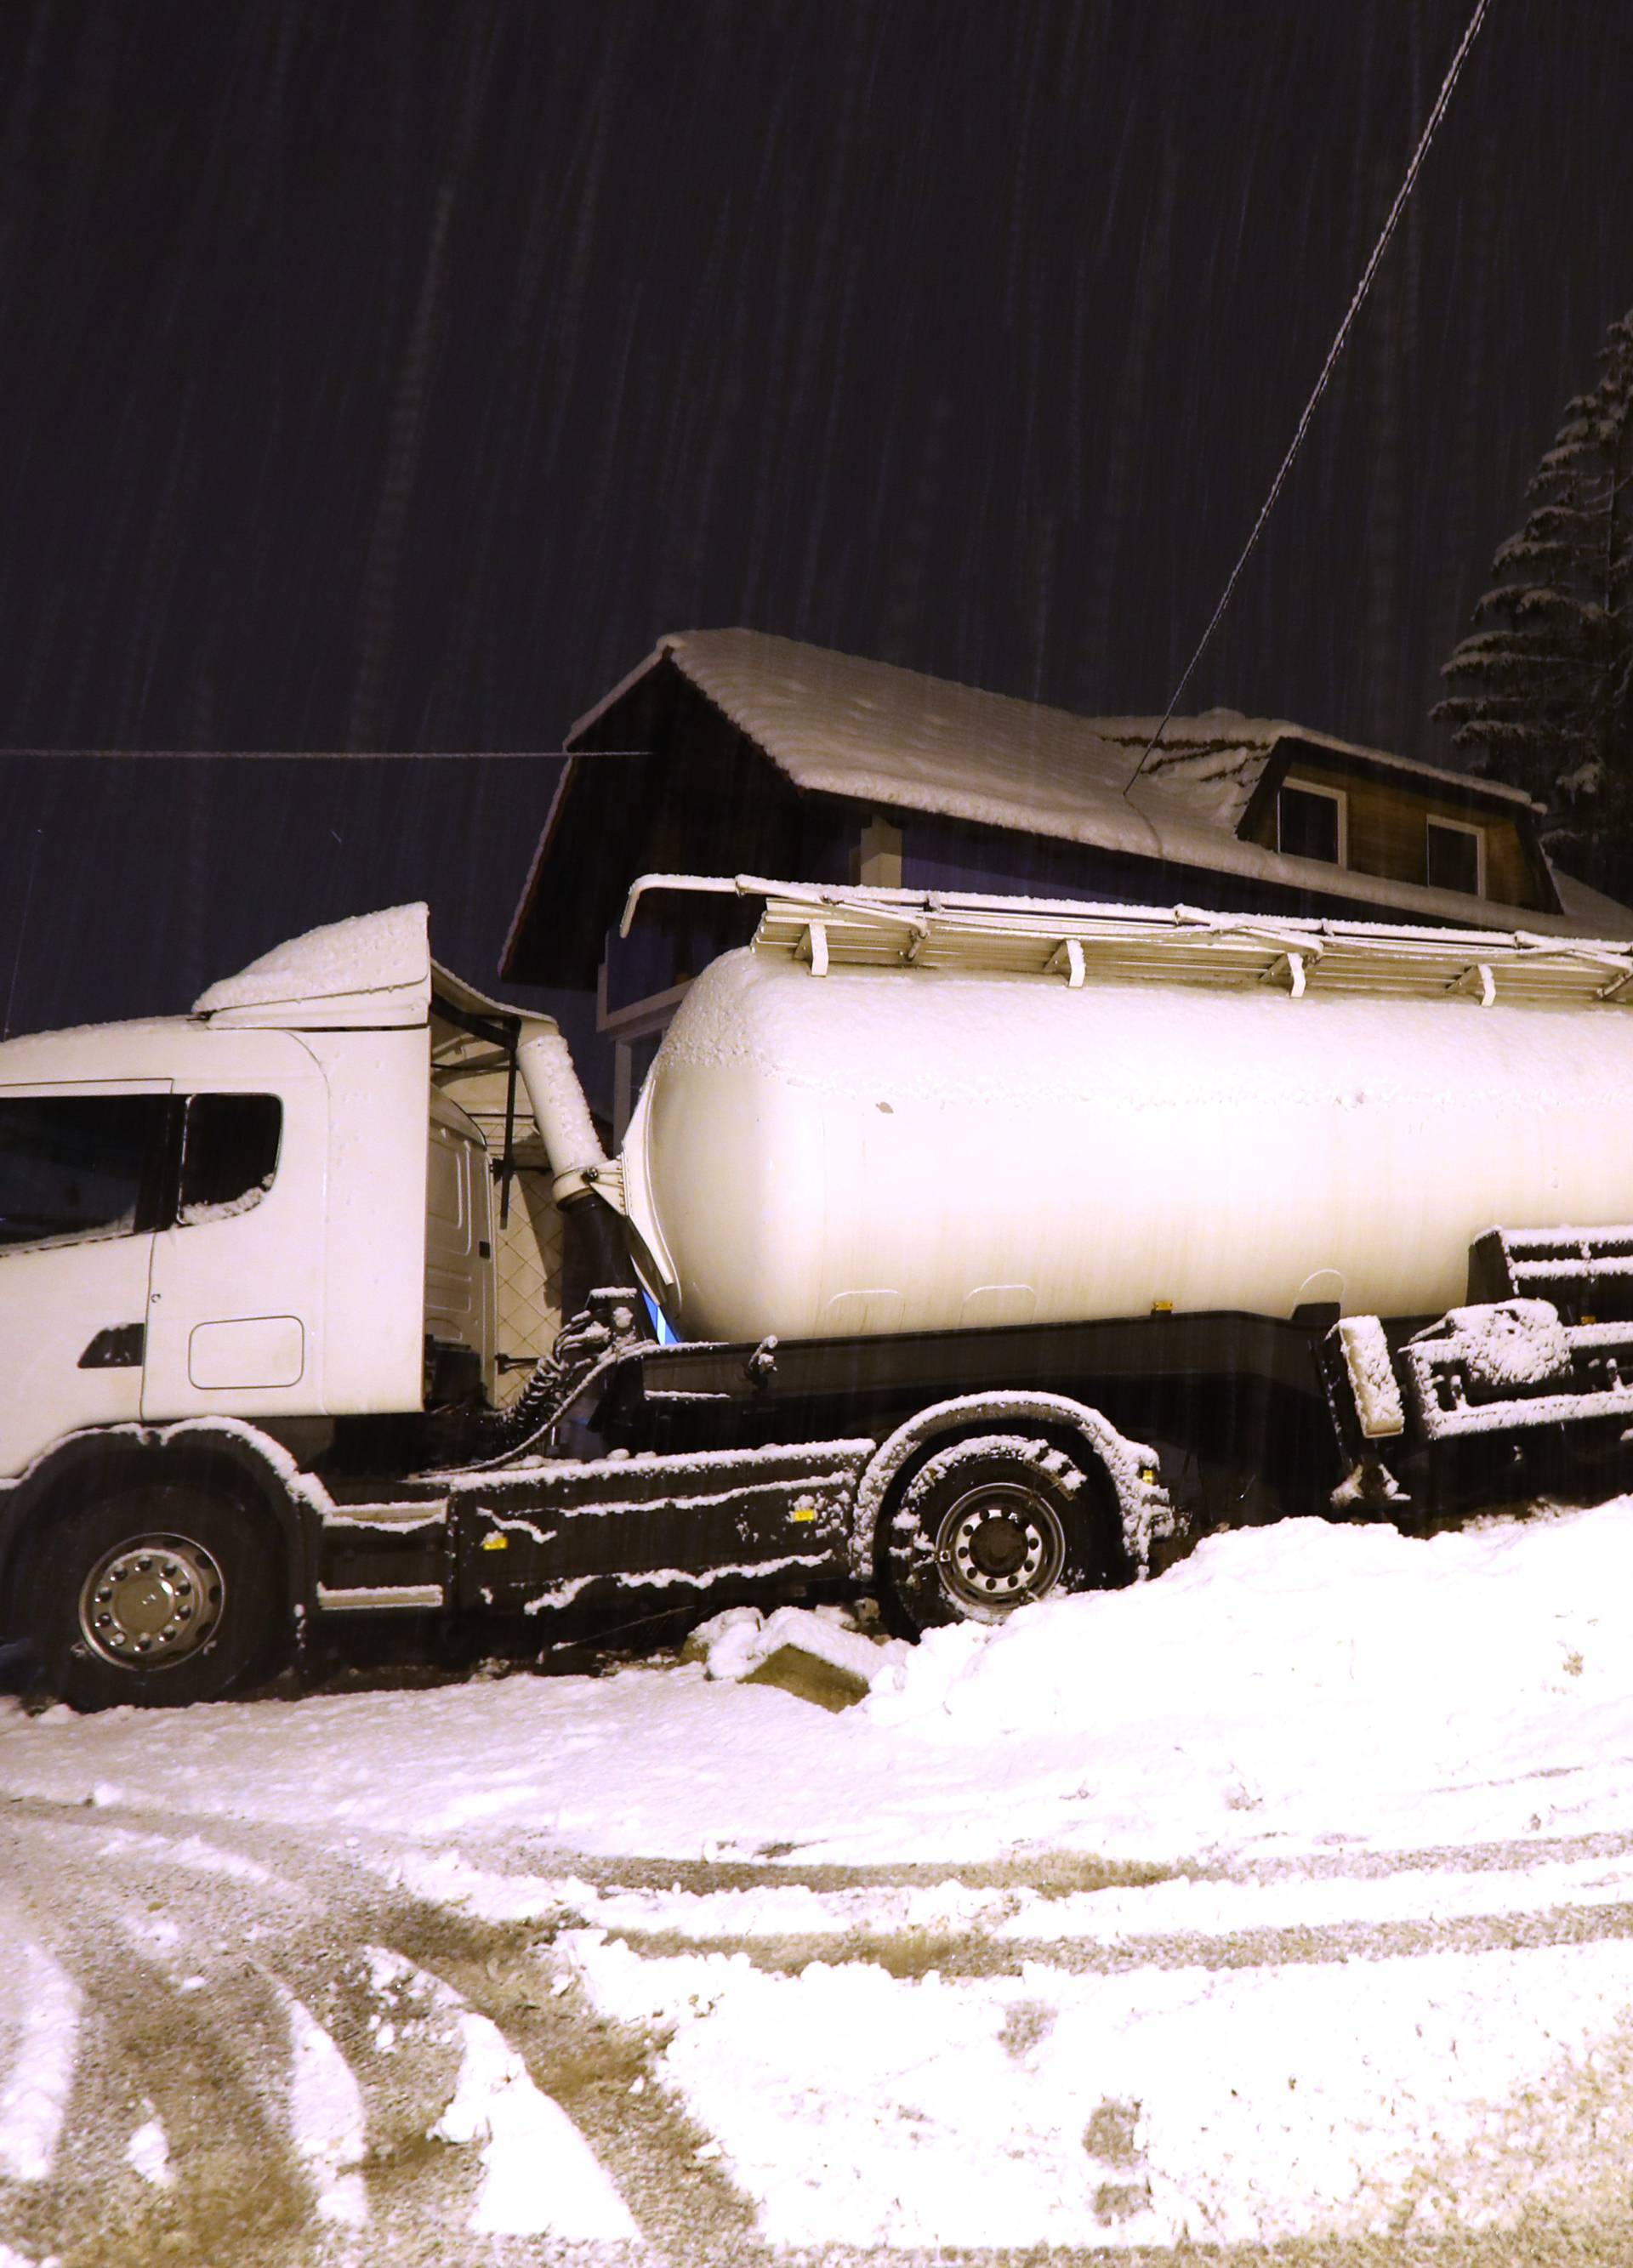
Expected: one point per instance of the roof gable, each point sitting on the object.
(837, 724)
(833, 726)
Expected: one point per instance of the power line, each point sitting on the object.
(1382, 246)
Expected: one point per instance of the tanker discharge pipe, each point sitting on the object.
(594, 1252)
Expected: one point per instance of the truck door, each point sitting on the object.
(82, 1184)
(235, 1303)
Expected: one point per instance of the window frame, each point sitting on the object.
(1337, 795)
(150, 1194)
(1433, 818)
(175, 1199)
(158, 1206)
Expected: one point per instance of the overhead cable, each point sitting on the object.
(1395, 210)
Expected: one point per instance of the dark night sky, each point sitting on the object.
(388, 377)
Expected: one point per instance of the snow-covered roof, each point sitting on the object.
(870, 734)
(837, 723)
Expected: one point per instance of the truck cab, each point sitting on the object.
(235, 1230)
(225, 1214)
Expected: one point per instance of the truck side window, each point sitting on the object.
(229, 1155)
(74, 1166)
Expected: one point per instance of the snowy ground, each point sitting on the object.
(1286, 1901)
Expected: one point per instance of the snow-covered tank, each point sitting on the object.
(828, 1145)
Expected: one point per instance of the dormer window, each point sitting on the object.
(1454, 856)
(1312, 823)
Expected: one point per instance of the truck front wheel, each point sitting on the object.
(990, 1524)
(161, 1595)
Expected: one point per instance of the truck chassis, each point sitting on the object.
(958, 1475)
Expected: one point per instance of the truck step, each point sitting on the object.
(382, 1598)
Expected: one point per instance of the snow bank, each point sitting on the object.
(1339, 1678)
(1308, 1682)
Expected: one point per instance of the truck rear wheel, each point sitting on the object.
(992, 1524)
(161, 1595)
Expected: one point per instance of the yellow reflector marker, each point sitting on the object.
(496, 1543)
(805, 1509)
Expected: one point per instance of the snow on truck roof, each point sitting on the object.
(369, 970)
(380, 961)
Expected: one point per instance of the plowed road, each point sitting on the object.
(1282, 1910)
(236, 2044)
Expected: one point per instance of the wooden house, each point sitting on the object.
(735, 752)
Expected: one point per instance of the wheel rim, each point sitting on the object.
(999, 1545)
(152, 1601)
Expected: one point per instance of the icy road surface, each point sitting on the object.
(1286, 1901)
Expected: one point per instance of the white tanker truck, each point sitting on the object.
(1007, 1244)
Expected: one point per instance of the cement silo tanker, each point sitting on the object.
(1011, 1246)
(853, 1139)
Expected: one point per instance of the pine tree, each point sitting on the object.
(1546, 673)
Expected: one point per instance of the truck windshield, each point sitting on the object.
(75, 1166)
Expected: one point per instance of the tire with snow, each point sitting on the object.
(990, 1524)
(160, 1595)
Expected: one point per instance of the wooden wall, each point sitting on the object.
(1389, 835)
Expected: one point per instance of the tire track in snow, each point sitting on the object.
(233, 1993)
(314, 1908)
(172, 2136)
(34, 2091)
(326, 2114)
(1505, 1897)
(603, 2076)
(1050, 1873)
(539, 2176)
(977, 1955)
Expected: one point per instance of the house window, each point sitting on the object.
(1455, 856)
(1312, 822)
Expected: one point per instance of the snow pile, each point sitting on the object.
(540, 2177)
(1336, 1677)
(735, 1644)
(148, 2154)
(326, 2117)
